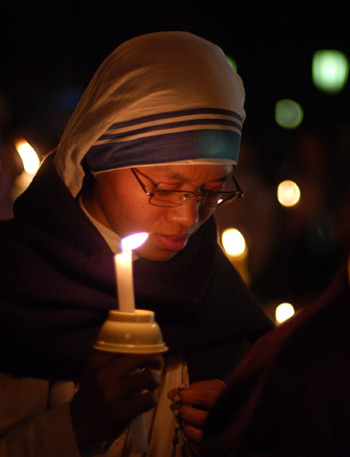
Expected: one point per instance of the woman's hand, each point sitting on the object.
(196, 402)
(113, 391)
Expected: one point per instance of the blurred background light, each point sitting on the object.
(31, 164)
(330, 70)
(288, 193)
(28, 155)
(288, 114)
(236, 249)
(283, 312)
(233, 242)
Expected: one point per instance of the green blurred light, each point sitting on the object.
(288, 114)
(330, 70)
(232, 62)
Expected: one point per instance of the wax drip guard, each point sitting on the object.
(131, 333)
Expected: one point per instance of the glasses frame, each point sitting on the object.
(236, 194)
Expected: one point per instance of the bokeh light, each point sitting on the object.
(288, 193)
(288, 114)
(31, 164)
(283, 312)
(330, 70)
(233, 242)
(28, 155)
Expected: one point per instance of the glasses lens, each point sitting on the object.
(219, 199)
(168, 198)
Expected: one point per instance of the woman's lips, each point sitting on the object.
(172, 242)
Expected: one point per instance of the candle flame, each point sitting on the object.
(133, 241)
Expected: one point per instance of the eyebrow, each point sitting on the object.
(176, 175)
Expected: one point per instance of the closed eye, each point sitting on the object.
(217, 188)
(164, 191)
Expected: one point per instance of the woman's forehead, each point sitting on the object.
(191, 172)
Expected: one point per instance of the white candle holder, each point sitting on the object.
(132, 333)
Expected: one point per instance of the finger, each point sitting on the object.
(134, 362)
(146, 401)
(193, 416)
(126, 362)
(133, 384)
(99, 358)
(114, 369)
(203, 393)
(118, 415)
(129, 409)
(172, 394)
(195, 447)
(143, 380)
(153, 361)
(194, 434)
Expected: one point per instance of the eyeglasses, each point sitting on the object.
(169, 197)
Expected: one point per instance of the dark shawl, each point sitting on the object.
(57, 284)
(290, 395)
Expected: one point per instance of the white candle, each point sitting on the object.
(126, 299)
(123, 269)
(125, 286)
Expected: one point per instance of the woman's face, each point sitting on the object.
(119, 202)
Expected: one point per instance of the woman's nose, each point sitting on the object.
(186, 214)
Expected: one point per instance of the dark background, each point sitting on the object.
(50, 50)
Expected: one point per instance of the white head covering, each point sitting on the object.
(164, 97)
